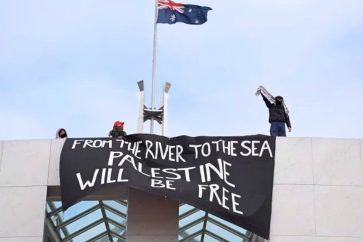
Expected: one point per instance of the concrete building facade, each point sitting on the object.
(317, 193)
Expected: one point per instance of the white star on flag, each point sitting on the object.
(172, 17)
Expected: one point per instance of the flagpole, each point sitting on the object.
(154, 68)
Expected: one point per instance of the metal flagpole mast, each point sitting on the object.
(154, 68)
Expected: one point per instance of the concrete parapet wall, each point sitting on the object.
(318, 189)
(56, 149)
(23, 189)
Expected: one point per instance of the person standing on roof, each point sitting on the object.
(117, 130)
(278, 112)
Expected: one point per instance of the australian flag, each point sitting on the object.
(170, 12)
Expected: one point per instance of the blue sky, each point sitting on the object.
(75, 64)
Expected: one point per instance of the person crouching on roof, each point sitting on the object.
(117, 130)
(61, 134)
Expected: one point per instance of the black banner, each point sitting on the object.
(230, 177)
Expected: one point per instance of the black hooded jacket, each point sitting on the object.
(117, 132)
(277, 112)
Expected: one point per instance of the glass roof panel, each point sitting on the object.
(191, 230)
(230, 225)
(195, 216)
(103, 239)
(208, 238)
(116, 205)
(217, 228)
(54, 205)
(116, 239)
(89, 234)
(61, 233)
(184, 208)
(117, 230)
(196, 239)
(84, 221)
(116, 217)
(222, 232)
(77, 209)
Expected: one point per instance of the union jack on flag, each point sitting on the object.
(171, 12)
(163, 4)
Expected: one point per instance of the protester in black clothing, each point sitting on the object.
(117, 130)
(278, 112)
(61, 134)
